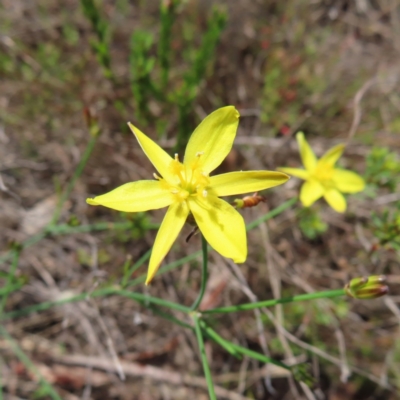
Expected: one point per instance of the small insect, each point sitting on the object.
(249, 201)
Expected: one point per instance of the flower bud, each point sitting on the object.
(249, 201)
(370, 287)
(91, 121)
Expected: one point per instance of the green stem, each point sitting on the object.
(30, 242)
(170, 318)
(78, 172)
(134, 268)
(65, 229)
(166, 268)
(50, 391)
(204, 274)
(273, 213)
(226, 344)
(206, 366)
(259, 356)
(11, 288)
(274, 302)
(142, 298)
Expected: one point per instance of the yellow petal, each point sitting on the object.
(299, 173)
(328, 160)
(166, 236)
(306, 153)
(213, 139)
(245, 182)
(336, 200)
(222, 226)
(310, 192)
(348, 181)
(157, 156)
(135, 197)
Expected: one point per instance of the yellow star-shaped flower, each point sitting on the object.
(188, 188)
(322, 178)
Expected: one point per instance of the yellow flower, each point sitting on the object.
(322, 178)
(188, 188)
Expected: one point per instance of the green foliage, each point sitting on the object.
(301, 373)
(167, 17)
(147, 83)
(150, 78)
(386, 227)
(71, 34)
(101, 44)
(310, 223)
(205, 53)
(6, 63)
(141, 65)
(383, 168)
(186, 95)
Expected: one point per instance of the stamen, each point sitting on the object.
(199, 153)
(205, 193)
(156, 177)
(176, 157)
(175, 191)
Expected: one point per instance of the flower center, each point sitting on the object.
(323, 175)
(191, 180)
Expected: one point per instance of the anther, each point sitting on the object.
(199, 153)
(205, 193)
(156, 176)
(176, 157)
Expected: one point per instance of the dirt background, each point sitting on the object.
(329, 68)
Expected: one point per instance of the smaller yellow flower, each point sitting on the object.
(322, 178)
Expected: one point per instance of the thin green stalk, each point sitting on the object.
(65, 229)
(171, 318)
(29, 242)
(78, 171)
(274, 302)
(273, 213)
(11, 288)
(204, 274)
(143, 298)
(226, 344)
(166, 268)
(10, 277)
(50, 391)
(152, 300)
(259, 356)
(206, 366)
(135, 267)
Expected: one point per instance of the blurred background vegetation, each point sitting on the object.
(73, 73)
